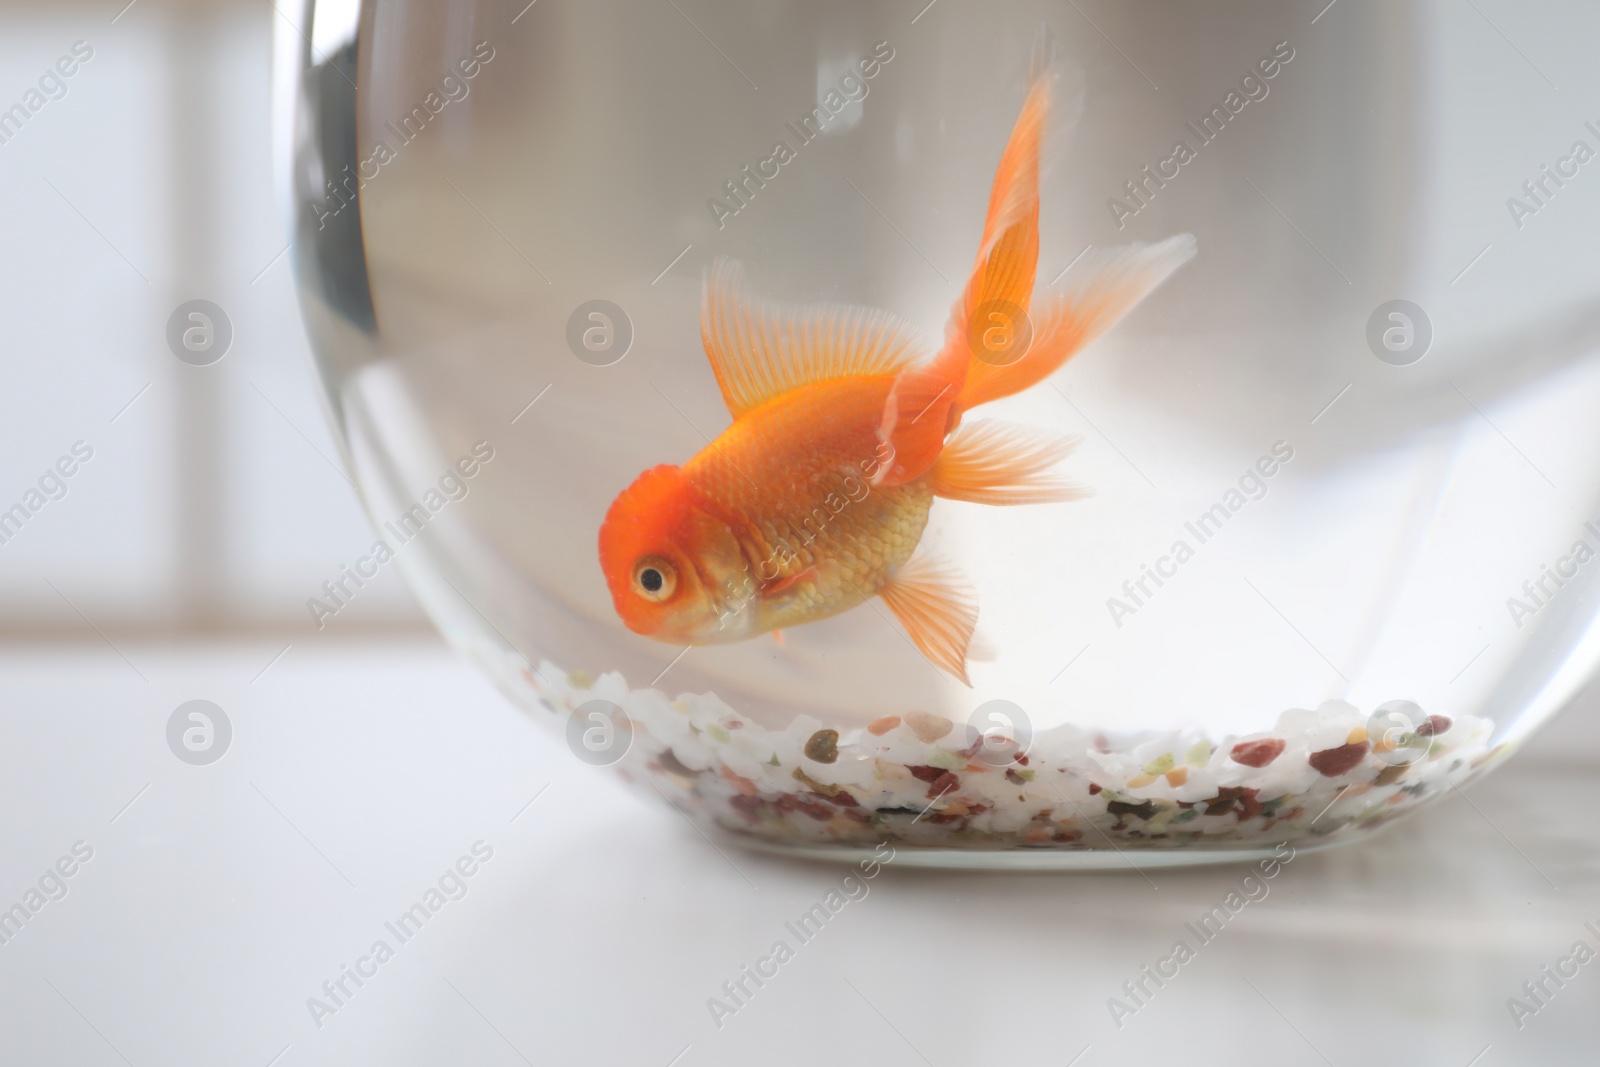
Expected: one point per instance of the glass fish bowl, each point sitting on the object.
(1009, 435)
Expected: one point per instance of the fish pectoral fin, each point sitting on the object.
(783, 585)
(997, 463)
(760, 350)
(938, 609)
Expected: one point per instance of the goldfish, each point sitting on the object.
(814, 501)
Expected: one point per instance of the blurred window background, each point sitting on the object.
(215, 498)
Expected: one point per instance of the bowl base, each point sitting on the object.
(1086, 859)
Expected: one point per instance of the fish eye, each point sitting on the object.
(654, 578)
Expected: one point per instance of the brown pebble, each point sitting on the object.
(928, 728)
(879, 727)
(942, 785)
(1332, 762)
(747, 806)
(1391, 774)
(823, 746)
(1435, 725)
(739, 782)
(1257, 753)
(1145, 810)
(799, 802)
(672, 765)
(1236, 798)
(926, 774)
(816, 786)
(1093, 789)
(816, 809)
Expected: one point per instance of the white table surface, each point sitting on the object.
(222, 897)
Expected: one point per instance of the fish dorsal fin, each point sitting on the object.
(759, 350)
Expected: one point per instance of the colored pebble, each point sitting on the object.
(1257, 753)
(823, 746)
(1235, 798)
(1161, 764)
(1145, 810)
(1389, 775)
(928, 728)
(739, 782)
(1332, 762)
(879, 727)
(672, 765)
(1434, 726)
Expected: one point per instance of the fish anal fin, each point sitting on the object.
(995, 463)
(938, 609)
(759, 351)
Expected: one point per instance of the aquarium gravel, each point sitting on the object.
(922, 780)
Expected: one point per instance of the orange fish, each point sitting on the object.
(815, 499)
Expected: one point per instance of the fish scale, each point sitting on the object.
(789, 475)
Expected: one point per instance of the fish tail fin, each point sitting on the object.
(1109, 286)
(1003, 346)
(1000, 288)
(995, 463)
(924, 403)
(938, 609)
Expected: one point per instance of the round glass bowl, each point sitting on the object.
(1337, 550)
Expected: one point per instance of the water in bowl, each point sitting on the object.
(1339, 552)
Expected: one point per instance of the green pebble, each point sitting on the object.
(1161, 764)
